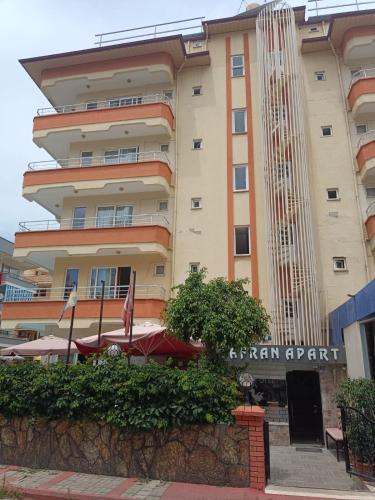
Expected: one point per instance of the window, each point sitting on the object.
(197, 90)
(125, 101)
(242, 240)
(320, 76)
(164, 148)
(111, 156)
(196, 203)
(197, 143)
(239, 121)
(159, 270)
(339, 264)
(288, 308)
(92, 105)
(314, 29)
(71, 278)
(162, 205)
(238, 65)
(194, 267)
(326, 130)
(361, 129)
(106, 274)
(122, 155)
(197, 44)
(114, 216)
(86, 158)
(370, 192)
(79, 214)
(332, 194)
(355, 72)
(240, 178)
(168, 94)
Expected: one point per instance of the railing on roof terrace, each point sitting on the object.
(326, 7)
(94, 161)
(114, 102)
(362, 73)
(151, 31)
(366, 138)
(100, 222)
(94, 292)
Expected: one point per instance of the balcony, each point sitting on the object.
(130, 116)
(149, 302)
(49, 182)
(43, 241)
(68, 81)
(358, 43)
(361, 97)
(366, 156)
(370, 225)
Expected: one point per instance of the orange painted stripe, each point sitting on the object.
(250, 160)
(229, 162)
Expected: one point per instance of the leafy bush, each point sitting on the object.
(359, 394)
(137, 397)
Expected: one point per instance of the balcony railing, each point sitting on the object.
(366, 138)
(362, 73)
(95, 161)
(94, 292)
(101, 222)
(115, 102)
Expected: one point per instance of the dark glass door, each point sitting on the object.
(71, 277)
(305, 407)
(123, 280)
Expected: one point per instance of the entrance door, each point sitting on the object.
(305, 407)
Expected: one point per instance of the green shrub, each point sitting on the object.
(359, 394)
(137, 397)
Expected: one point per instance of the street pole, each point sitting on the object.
(101, 314)
(70, 334)
(131, 319)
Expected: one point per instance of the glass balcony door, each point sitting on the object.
(122, 155)
(116, 280)
(111, 216)
(71, 277)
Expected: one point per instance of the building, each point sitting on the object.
(247, 148)
(14, 286)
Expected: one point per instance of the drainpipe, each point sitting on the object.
(343, 97)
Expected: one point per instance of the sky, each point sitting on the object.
(30, 28)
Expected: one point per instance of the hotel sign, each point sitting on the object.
(289, 354)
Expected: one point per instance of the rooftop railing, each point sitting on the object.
(95, 161)
(151, 31)
(94, 292)
(100, 222)
(362, 73)
(366, 138)
(114, 102)
(325, 7)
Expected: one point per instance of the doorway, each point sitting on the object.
(305, 407)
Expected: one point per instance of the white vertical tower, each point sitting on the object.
(294, 294)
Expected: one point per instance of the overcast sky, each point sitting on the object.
(30, 28)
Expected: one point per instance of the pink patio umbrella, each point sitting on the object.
(40, 347)
(146, 340)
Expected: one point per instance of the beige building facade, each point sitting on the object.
(157, 165)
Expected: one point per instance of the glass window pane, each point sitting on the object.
(237, 71)
(111, 156)
(71, 277)
(240, 178)
(242, 240)
(104, 216)
(239, 121)
(237, 60)
(86, 158)
(124, 215)
(128, 155)
(79, 217)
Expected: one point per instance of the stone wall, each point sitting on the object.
(212, 454)
(330, 380)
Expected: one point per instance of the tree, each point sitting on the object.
(220, 313)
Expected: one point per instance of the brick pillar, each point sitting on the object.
(253, 418)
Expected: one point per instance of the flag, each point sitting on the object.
(71, 302)
(126, 313)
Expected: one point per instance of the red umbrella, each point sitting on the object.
(146, 340)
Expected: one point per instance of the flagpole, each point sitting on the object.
(131, 319)
(70, 334)
(101, 314)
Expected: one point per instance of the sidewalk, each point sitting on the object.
(49, 485)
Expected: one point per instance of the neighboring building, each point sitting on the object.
(247, 148)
